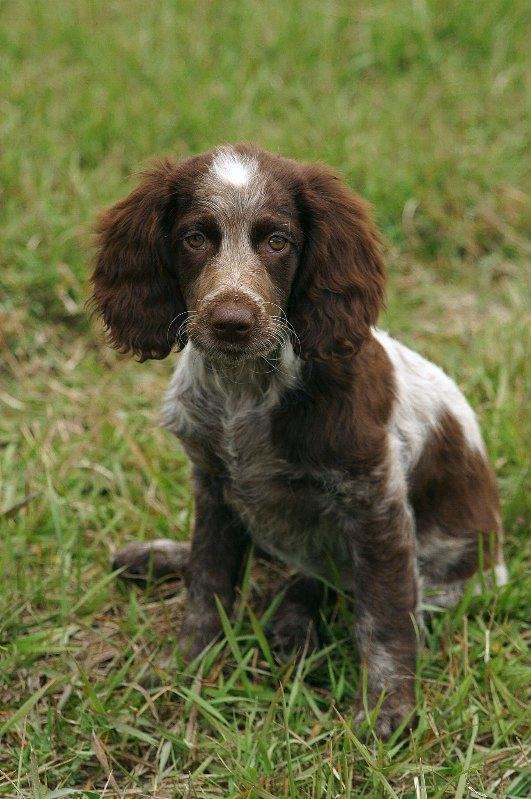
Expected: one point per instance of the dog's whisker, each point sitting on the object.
(180, 330)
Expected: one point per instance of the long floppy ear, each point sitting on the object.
(339, 288)
(134, 287)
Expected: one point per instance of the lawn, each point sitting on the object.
(420, 104)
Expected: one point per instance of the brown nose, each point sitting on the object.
(231, 322)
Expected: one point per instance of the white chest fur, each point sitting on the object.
(225, 420)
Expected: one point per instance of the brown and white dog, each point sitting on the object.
(312, 433)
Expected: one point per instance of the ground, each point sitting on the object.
(421, 106)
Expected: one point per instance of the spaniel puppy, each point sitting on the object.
(312, 433)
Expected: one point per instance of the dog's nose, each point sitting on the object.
(231, 322)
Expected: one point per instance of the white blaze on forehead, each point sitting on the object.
(232, 186)
(231, 167)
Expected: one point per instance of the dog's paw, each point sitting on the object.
(395, 710)
(291, 634)
(196, 635)
(153, 559)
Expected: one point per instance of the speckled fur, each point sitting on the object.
(313, 434)
(307, 517)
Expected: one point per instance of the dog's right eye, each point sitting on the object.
(277, 243)
(195, 240)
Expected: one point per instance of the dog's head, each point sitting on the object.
(237, 249)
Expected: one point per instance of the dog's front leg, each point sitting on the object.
(386, 598)
(219, 543)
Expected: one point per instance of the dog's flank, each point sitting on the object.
(313, 434)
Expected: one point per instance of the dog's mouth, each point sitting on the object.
(233, 353)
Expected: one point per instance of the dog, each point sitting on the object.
(312, 433)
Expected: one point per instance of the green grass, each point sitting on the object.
(420, 105)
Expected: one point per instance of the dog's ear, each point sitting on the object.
(339, 288)
(135, 286)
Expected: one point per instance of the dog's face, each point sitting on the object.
(235, 250)
(237, 246)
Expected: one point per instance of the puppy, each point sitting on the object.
(311, 433)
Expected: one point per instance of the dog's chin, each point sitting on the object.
(234, 354)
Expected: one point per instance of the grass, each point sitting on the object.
(420, 105)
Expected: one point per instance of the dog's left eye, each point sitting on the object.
(277, 243)
(195, 240)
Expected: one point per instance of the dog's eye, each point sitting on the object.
(195, 240)
(277, 243)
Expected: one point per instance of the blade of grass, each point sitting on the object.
(25, 708)
(461, 785)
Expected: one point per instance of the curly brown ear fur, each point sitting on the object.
(339, 289)
(134, 288)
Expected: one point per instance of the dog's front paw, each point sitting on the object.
(396, 708)
(292, 633)
(197, 634)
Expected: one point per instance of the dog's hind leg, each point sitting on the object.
(156, 560)
(447, 563)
